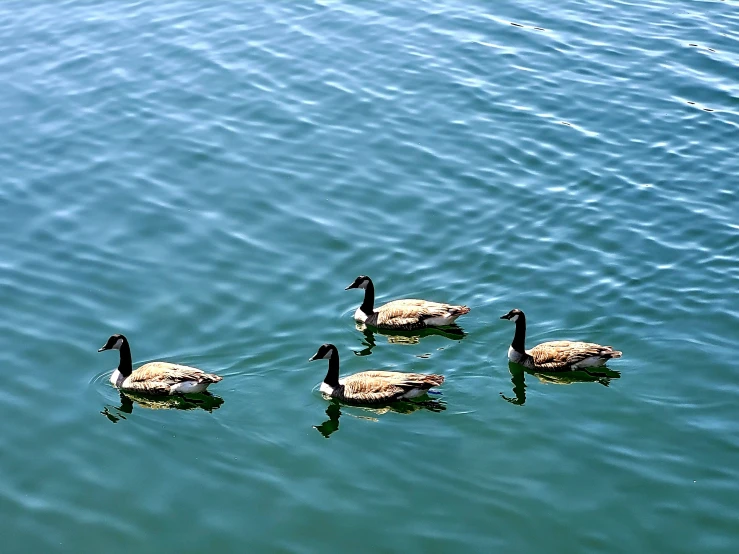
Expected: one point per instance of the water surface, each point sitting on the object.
(207, 178)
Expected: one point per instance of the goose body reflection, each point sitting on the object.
(451, 332)
(203, 401)
(331, 425)
(407, 314)
(604, 376)
(155, 378)
(372, 387)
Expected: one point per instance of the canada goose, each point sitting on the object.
(372, 387)
(408, 314)
(155, 377)
(560, 355)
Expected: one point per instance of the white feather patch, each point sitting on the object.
(188, 387)
(414, 393)
(592, 361)
(513, 355)
(437, 321)
(116, 378)
(360, 316)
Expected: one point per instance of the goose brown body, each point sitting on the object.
(564, 354)
(372, 387)
(407, 314)
(376, 387)
(162, 378)
(410, 314)
(559, 355)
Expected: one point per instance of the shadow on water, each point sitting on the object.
(601, 375)
(203, 401)
(451, 332)
(331, 425)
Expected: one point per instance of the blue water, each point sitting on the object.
(206, 178)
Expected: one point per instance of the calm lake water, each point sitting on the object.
(206, 178)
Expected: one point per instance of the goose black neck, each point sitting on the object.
(125, 366)
(332, 377)
(519, 338)
(368, 305)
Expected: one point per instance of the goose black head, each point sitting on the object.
(114, 343)
(360, 282)
(325, 352)
(513, 315)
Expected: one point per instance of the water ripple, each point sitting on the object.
(207, 178)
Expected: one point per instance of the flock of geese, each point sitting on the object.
(368, 387)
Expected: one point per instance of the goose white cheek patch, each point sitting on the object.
(514, 318)
(118, 344)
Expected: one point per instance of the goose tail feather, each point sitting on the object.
(209, 378)
(434, 380)
(460, 310)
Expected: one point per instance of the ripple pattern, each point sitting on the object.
(207, 177)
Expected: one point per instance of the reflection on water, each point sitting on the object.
(518, 378)
(331, 425)
(204, 401)
(452, 332)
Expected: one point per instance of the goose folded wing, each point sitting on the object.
(166, 373)
(564, 353)
(421, 381)
(391, 376)
(369, 388)
(390, 382)
(410, 311)
(147, 382)
(401, 379)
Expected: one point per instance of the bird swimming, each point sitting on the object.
(155, 378)
(559, 355)
(372, 387)
(405, 314)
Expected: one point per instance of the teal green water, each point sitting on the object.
(206, 178)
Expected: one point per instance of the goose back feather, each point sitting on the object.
(568, 354)
(372, 387)
(410, 314)
(162, 378)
